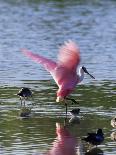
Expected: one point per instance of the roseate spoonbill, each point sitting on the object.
(24, 93)
(95, 138)
(64, 71)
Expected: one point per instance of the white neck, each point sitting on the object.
(81, 74)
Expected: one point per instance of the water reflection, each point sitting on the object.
(94, 151)
(113, 136)
(65, 143)
(25, 112)
(74, 120)
(39, 130)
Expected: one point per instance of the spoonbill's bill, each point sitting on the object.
(24, 93)
(64, 71)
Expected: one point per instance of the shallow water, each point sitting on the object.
(42, 26)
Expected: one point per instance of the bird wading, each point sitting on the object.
(64, 71)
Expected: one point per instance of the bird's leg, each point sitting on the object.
(21, 101)
(66, 107)
(73, 100)
(32, 97)
(65, 121)
(32, 100)
(24, 101)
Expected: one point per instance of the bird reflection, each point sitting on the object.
(74, 116)
(25, 112)
(65, 143)
(74, 120)
(94, 151)
(113, 136)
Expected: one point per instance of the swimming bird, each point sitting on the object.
(74, 116)
(75, 112)
(95, 138)
(24, 93)
(113, 122)
(64, 71)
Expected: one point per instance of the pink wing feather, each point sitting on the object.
(69, 55)
(63, 72)
(47, 63)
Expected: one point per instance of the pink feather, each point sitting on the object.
(64, 71)
(69, 55)
(65, 143)
(47, 63)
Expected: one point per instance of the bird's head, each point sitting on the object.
(85, 70)
(99, 132)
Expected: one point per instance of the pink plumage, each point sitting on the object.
(63, 71)
(47, 63)
(69, 55)
(65, 143)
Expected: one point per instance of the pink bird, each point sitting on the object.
(64, 71)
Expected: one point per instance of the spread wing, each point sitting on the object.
(69, 55)
(47, 63)
(68, 60)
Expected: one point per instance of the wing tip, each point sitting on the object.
(71, 45)
(26, 52)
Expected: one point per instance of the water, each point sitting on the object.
(42, 26)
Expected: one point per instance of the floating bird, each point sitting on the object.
(24, 93)
(113, 122)
(74, 119)
(95, 138)
(64, 71)
(75, 112)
